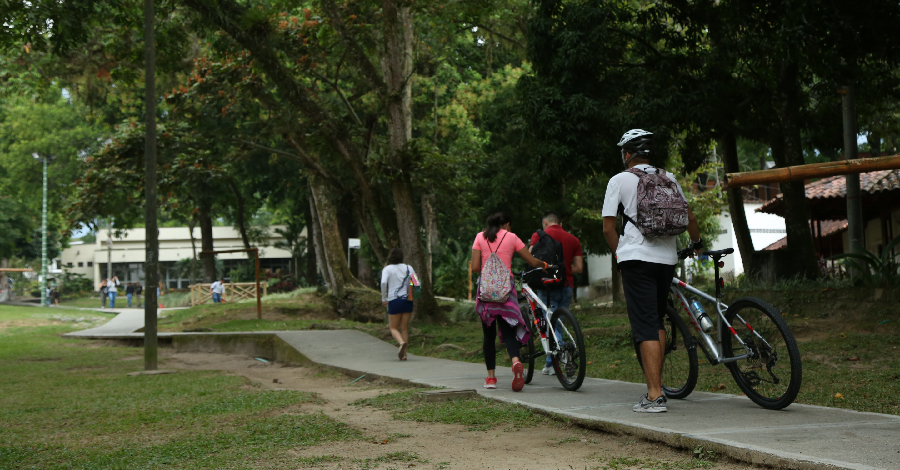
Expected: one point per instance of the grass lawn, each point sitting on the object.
(67, 405)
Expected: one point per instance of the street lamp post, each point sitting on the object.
(45, 159)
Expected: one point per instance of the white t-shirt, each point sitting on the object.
(622, 189)
(392, 281)
(218, 287)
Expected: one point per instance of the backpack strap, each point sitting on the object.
(498, 245)
(625, 218)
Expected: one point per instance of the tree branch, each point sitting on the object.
(310, 163)
(369, 73)
(341, 94)
(501, 36)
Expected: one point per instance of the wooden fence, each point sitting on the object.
(234, 291)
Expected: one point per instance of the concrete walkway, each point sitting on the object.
(800, 436)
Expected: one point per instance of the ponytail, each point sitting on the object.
(494, 222)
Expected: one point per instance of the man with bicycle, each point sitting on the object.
(571, 260)
(646, 255)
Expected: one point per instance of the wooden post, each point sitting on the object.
(258, 296)
(470, 279)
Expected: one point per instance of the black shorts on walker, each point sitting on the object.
(400, 305)
(646, 288)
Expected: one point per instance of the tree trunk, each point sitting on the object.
(368, 227)
(206, 244)
(311, 251)
(239, 218)
(366, 276)
(191, 223)
(616, 283)
(432, 236)
(801, 256)
(319, 244)
(331, 238)
(728, 144)
(397, 72)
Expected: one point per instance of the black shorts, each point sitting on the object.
(646, 288)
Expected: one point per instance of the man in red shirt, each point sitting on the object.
(574, 264)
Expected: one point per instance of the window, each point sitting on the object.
(69, 264)
(81, 264)
(90, 264)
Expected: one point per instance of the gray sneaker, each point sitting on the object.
(548, 370)
(647, 406)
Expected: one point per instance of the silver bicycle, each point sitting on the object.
(560, 337)
(749, 336)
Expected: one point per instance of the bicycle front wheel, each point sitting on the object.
(679, 370)
(568, 343)
(772, 372)
(528, 352)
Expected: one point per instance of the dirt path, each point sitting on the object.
(438, 445)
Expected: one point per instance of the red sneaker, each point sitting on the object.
(518, 376)
(490, 382)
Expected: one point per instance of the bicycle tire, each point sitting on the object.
(528, 347)
(571, 369)
(680, 369)
(763, 319)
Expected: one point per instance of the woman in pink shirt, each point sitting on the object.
(509, 323)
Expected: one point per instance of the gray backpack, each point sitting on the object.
(661, 209)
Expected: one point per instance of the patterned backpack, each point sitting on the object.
(494, 285)
(661, 209)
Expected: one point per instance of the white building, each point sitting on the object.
(128, 254)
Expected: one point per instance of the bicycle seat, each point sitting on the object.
(718, 253)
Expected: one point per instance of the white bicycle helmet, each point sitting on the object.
(638, 142)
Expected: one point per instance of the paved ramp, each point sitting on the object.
(800, 436)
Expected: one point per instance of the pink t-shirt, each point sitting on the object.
(505, 250)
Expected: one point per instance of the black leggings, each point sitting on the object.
(490, 348)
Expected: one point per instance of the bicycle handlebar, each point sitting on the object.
(525, 273)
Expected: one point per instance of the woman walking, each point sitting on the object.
(394, 295)
(503, 318)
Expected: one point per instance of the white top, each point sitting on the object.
(394, 282)
(622, 189)
(218, 287)
(112, 285)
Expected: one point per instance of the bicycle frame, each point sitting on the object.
(534, 301)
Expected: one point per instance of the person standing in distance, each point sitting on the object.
(647, 264)
(395, 296)
(113, 288)
(217, 289)
(573, 261)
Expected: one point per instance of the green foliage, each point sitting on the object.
(876, 271)
(74, 284)
(451, 270)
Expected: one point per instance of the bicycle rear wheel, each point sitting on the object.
(566, 339)
(679, 371)
(772, 374)
(528, 352)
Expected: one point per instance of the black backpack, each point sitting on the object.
(549, 251)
